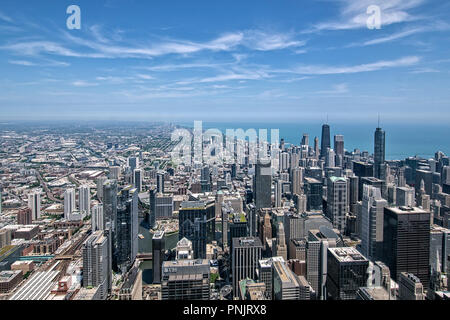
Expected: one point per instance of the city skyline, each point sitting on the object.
(220, 151)
(208, 61)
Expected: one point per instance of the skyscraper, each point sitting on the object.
(305, 140)
(69, 203)
(96, 272)
(337, 202)
(379, 154)
(158, 250)
(137, 179)
(317, 244)
(160, 182)
(110, 218)
(152, 212)
(278, 192)
(84, 199)
(347, 272)
(406, 242)
(34, 203)
(339, 145)
(262, 185)
(127, 228)
(316, 147)
(281, 242)
(325, 142)
(314, 191)
(205, 179)
(196, 221)
(185, 280)
(100, 181)
(372, 213)
(97, 220)
(286, 285)
(133, 163)
(110, 204)
(245, 258)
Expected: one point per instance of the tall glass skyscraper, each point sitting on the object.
(325, 142)
(127, 228)
(379, 154)
(263, 185)
(197, 223)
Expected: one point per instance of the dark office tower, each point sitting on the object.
(305, 139)
(347, 272)
(137, 179)
(152, 212)
(127, 228)
(406, 242)
(205, 179)
(316, 147)
(245, 259)
(252, 220)
(197, 223)
(96, 271)
(262, 185)
(110, 203)
(185, 280)
(282, 145)
(337, 202)
(361, 170)
(234, 168)
(339, 145)
(379, 154)
(353, 193)
(158, 251)
(325, 143)
(160, 182)
(133, 163)
(313, 191)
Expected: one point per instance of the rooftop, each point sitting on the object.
(347, 254)
(406, 210)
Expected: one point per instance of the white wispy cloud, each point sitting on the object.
(45, 63)
(353, 14)
(22, 63)
(82, 83)
(436, 26)
(424, 70)
(264, 41)
(324, 70)
(100, 46)
(6, 18)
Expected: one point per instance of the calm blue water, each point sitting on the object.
(402, 140)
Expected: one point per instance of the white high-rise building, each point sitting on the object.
(284, 161)
(97, 217)
(84, 200)
(337, 207)
(34, 203)
(69, 203)
(372, 213)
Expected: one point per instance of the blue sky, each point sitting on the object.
(225, 60)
